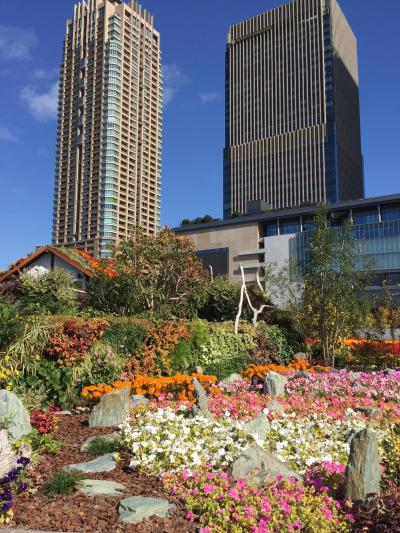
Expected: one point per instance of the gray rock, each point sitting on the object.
(274, 384)
(301, 356)
(363, 472)
(110, 437)
(274, 405)
(201, 407)
(369, 412)
(199, 370)
(139, 399)
(8, 456)
(112, 409)
(13, 411)
(137, 508)
(101, 487)
(61, 413)
(104, 463)
(353, 375)
(232, 378)
(256, 464)
(259, 427)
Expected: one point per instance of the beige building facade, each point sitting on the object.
(109, 133)
(292, 109)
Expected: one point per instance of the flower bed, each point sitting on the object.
(162, 440)
(222, 504)
(296, 365)
(180, 386)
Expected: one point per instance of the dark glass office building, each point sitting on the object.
(292, 109)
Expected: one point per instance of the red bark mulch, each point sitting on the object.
(94, 514)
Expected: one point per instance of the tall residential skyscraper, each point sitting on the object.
(108, 163)
(292, 108)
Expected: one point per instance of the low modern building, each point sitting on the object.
(279, 237)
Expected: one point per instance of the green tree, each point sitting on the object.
(157, 274)
(331, 307)
(222, 300)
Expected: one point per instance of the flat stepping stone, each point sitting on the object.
(104, 463)
(135, 509)
(110, 437)
(101, 487)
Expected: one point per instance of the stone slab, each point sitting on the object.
(104, 463)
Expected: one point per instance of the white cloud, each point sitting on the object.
(174, 79)
(16, 43)
(42, 105)
(6, 135)
(207, 98)
(44, 74)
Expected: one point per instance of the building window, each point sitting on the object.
(271, 229)
(288, 226)
(365, 216)
(390, 213)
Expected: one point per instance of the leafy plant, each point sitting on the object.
(57, 381)
(51, 293)
(72, 340)
(101, 446)
(105, 366)
(45, 421)
(42, 444)
(184, 356)
(62, 483)
(8, 325)
(125, 339)
(32, 336)
(222, 300)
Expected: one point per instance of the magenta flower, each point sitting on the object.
(208, 488)
(233, 493)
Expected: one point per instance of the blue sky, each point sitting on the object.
(193, 36)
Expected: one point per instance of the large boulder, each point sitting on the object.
(8, 456)
(112, 409)
(274, 384)
(201, 406)
(135, 509)
(369, 412)
(256, 464)
(363, 472)
(139, 399)
(13, 412)
(258, 428)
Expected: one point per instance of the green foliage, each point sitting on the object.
(31, 397)
(100, 446)
(222, 300)
(226, 352)
(51, 293)
(198, 220)
(58, 382)
(32, 334)
(274, 344)
(155, 274)
(62, 483)
(8, 325)
(104, 366)
(184, 357)
(125, 339)
(331, 306)
(42, 444)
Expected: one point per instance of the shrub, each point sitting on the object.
(222, 300)
(273, 345)
(161, 340)
(57, 381)
(226, 352)
(184, 356)
(72, 340)
(105, 366)
(51, 293)
(8, 325)
(381, 514)
(125, 339)
(62, 483)
(101, 446)
(10, 290)
(42, 444)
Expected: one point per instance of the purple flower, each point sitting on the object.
(7, 506)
